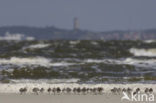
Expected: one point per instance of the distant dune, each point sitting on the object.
(48, 33)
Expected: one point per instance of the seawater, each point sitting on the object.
(86, 61)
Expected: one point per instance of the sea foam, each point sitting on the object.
(36, 61)
(37, 46)
(129, 61)
(26, 61)
(143, 52)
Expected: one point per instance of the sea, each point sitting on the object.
(78, 61)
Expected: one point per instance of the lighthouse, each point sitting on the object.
(76, 24)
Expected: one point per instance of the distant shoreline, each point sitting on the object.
(53, 33)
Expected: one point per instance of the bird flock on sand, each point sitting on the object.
(84, 90)
(131, 91)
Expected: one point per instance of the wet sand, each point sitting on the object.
(45, 98)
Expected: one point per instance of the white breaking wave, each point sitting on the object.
(102, 61)
(49, 81)
(62, 64)
(94, 43)
(37, 46)
(26, 61)
(39, 61)
(141, 63)
(129, 61)
(46, 62)
(149, 41)
(74, 42)
(143, 52)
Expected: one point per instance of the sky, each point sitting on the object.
(95, 15)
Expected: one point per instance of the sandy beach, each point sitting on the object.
(14, 87)
(9, 93)
(105, 98)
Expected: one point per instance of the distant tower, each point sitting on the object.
(76, 24)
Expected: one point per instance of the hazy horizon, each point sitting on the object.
(95, 15)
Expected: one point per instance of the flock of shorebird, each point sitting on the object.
(84, 90)
(67, 90)
(129, 90)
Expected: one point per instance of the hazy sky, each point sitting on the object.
(98, 15)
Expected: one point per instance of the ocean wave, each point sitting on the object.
(26, 61)
(37, 46)
(143, 52)
(49, 81)
(47, 62)
(142, 63)
(62, 64)
(37, 61)
(74, 42)
(150, 41)
(102, 61)
(129, 61)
